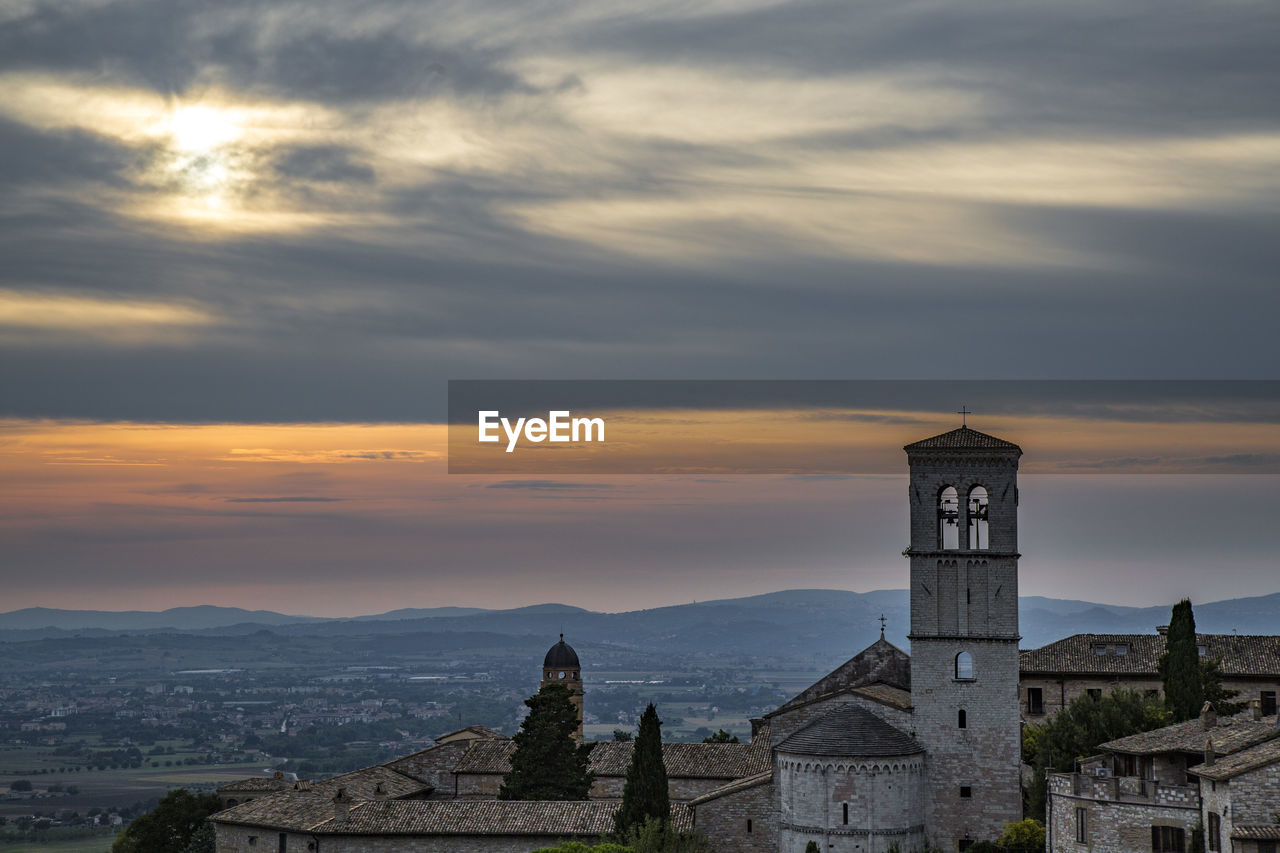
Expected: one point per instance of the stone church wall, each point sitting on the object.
(985, 755)
(741, 822)
(885, 800)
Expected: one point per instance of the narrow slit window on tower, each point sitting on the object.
(846, 812)
(964, 666)
(962, 719)
(949, 519)
(978, 534)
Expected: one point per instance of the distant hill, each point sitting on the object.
(791, 622)
(180, 618)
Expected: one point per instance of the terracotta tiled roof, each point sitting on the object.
(1237, 655)
(1230, 735)
(1256, 832)
(612, 758)
(852, 731)
(1243, 761)
(286, 811)
(476, 731)
(371, 783)
(963, 438)
(765, 778)
(881, 662)
(315, 814)
(255, 784)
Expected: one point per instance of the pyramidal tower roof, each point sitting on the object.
(963, 438)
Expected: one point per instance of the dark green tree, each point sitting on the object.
(170, 825)
(203, 840)
(548, 763)
(645, 794)
(622, 734)
(721, 736)
(1054, 746)
(1180, 665)
(1214, 693)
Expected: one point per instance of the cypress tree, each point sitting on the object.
(548, 763)
(1180, 665)
(645, 793)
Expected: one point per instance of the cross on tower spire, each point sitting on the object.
(882, 620)
(964, 413)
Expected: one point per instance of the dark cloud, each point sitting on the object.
(283, 500)
(322, 163)
(547, 485)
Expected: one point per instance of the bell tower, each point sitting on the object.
(963, 494)
(560, 666)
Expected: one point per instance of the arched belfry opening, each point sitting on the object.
(979, 503)
(949, 519)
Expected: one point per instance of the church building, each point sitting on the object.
(887, 752)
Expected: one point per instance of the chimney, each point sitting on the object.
(279, 774)
(1162, 630)
(1209, 756)
(1208, 716)
(757, 723)
(341, 806)
(380, 791)
(1255, 709)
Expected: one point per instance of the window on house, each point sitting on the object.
(1266, 847)
(962, 719)
(1202, 651)
(966, 792)
(749, 822)
(1035, 700)
(1121, 649)
(1082, 825)
(949, 519)
(1268, 702)
(1099, 650)
(846, 812)
(964, 666)
(284, 843)
(1215, 831)
(978, 503)
(1168, 839)
(1095, 693)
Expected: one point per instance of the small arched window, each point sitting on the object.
(949, 519)
(962, 719)
(964, 666)
(978, 502)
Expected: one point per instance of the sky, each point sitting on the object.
(244, 246)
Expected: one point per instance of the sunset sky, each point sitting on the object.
(244, 245)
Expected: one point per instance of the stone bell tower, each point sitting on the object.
(560, 666)
(963, 495)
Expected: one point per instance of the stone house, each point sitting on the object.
(1153, 790)
(1052, 675)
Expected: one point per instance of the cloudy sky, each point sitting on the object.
(244, 245)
